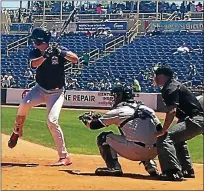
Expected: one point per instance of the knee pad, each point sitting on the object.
(101, 139)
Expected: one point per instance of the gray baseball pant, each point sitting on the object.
(172, 147)
(54, 100)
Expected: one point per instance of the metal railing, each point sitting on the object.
(70, 67)
(172, 16)
(89, 17)
(17, 43)
(133, 31)
(149, 16)
(114, 44)
(196, 15)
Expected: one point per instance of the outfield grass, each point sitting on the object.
(78, 138)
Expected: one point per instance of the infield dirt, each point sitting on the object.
(25, 168)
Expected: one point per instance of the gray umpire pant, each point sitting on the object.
(172, 147)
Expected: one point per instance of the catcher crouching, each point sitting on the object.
(137, 125)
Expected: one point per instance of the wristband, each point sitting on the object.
(63, 53)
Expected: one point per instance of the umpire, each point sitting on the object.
(172, 147)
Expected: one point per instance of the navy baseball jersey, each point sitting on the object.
(50, 74)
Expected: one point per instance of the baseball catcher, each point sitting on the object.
(137, 125)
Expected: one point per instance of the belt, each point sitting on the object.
(145, 145)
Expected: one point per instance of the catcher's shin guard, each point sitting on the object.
(107, 153)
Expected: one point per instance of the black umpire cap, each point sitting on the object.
(165, 70)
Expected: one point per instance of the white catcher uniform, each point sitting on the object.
(137, 141)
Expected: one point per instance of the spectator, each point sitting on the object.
(117, 82)
(102, 85)
(198, 49)
(183, 10)
(90, 86)
(99, 9)
(108, 85)
(173, 7)
(85, 59)
(155, 32)
(141, 76)
(10, 77)
(156, 66)
(109, 34)
(6, 82)
(199, 7)
(53, 33)
(105, 32)
(192, 7)
(28, 74)
(136, 85)
(88, 33)
(120, 12)
(192, 72)
(73, 85)
(182, 49)
(82, 10)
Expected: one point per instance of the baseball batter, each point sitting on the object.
(48, 60)
(137, 124)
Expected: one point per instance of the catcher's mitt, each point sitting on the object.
(89, 116)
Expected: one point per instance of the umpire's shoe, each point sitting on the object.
(105, 171)
(188, 173)
(172, 175)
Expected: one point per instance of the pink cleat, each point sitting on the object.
(63, 162)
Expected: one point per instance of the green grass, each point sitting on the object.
(78, 138)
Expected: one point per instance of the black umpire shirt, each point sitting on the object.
(50, 74)
(175, 93)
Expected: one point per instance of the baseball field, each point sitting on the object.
(26, 167)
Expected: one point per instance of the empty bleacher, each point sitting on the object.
(143, 53)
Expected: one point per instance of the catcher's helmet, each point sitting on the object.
(122, 94)
(40, 35)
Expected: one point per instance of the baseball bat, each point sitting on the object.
(66, 23)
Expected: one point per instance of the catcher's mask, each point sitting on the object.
(122, 94)
(162, 70)
(40, 35)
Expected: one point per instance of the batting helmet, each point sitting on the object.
(122, 94)
(40, 35)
